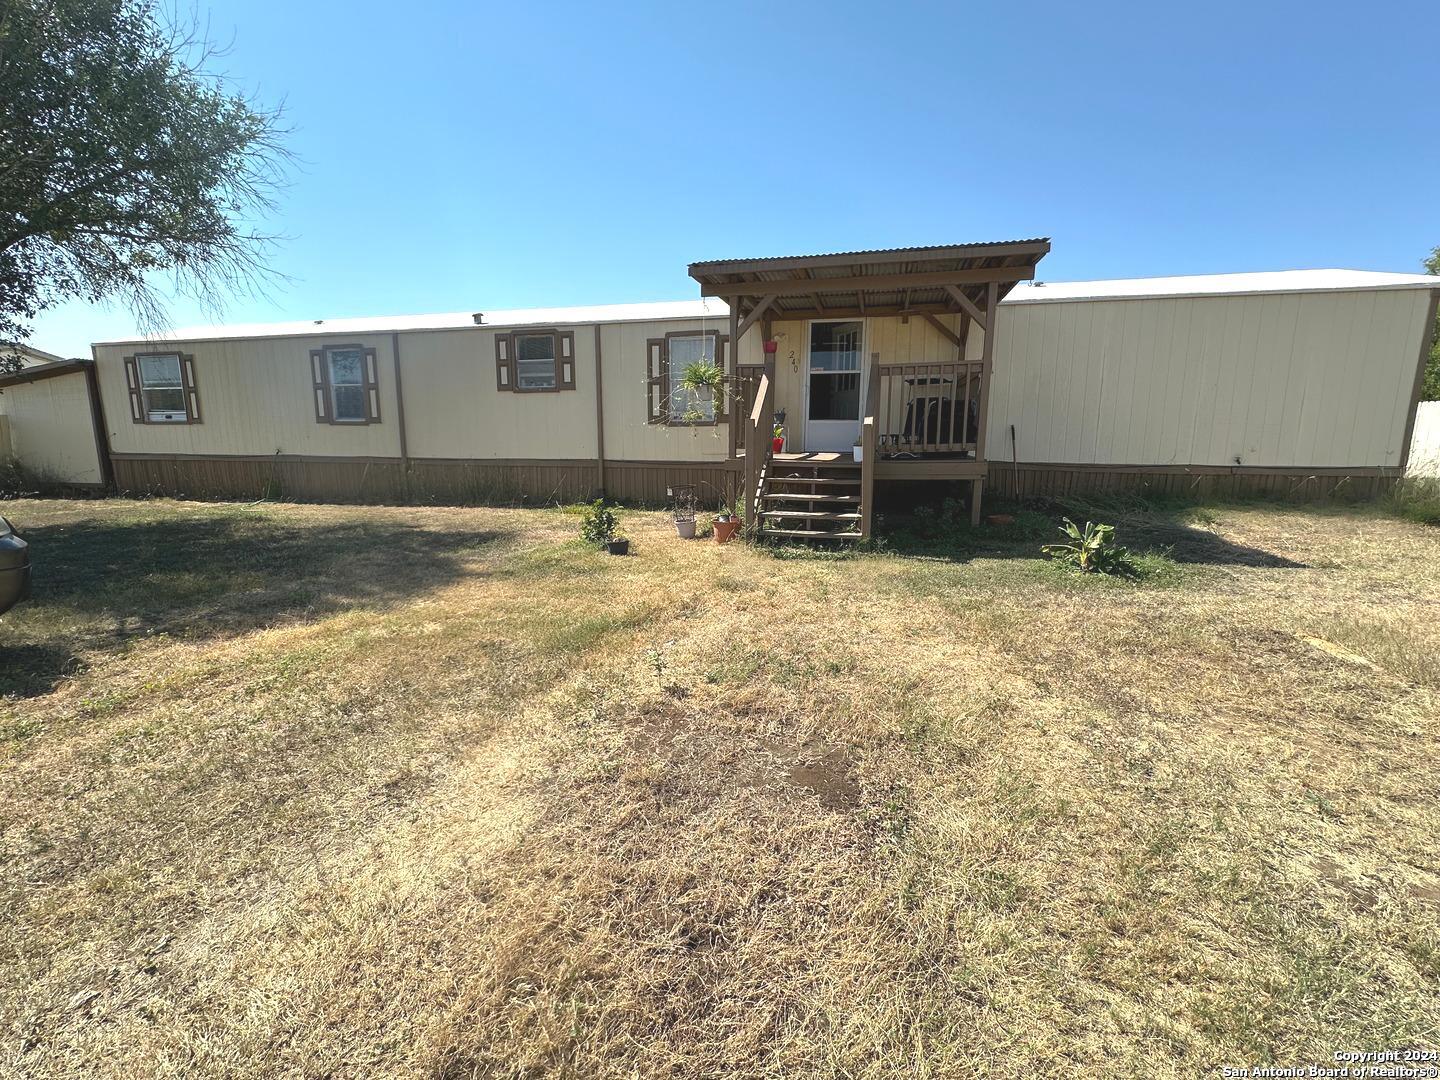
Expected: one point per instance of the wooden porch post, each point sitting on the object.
(732, 370)
(869, 445)
(987, 363)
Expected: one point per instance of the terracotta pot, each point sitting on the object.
(618, 547)
(685, 529)
(778, 443)
(725, 531)
(999, 519)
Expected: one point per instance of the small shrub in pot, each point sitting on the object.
(598, 526)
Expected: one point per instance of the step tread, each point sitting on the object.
(813, 534)
(814, 480)
(817, 515)
(810, 496)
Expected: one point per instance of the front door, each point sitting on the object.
(832, 384)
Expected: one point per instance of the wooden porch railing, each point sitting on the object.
(927, 408)
(869, 442)
(759, 447)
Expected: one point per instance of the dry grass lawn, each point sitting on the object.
(325, 791)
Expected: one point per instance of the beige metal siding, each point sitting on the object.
(790, 344)
(256, 397)
(51, 433)
(1285, 379)
(453, 408)
(629, 436)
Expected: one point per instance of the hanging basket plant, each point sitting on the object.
(704, 380)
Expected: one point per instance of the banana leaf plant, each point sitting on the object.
(1089, 550)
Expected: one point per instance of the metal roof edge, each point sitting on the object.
(167, 341)
(928, 251)
(1283, 290)
(48, 370)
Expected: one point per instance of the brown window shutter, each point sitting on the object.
(565, 360)
(320, 377)
(132, 384)
(192, 396)
(657, 381)
(372, 388)
(504, 362)
(722, 407)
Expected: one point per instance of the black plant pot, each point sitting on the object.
(618, 547)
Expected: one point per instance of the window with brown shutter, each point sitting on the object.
(535, 361)
(666, 359)
(161, 388)
(345, 384)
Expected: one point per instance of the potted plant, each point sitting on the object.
(598, 526)
(858, 449)
(777, 443)
(726, 525)
(685, 513)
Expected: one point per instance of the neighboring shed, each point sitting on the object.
(51, 427)
(25, 356)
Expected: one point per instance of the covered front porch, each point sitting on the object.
(884, 355)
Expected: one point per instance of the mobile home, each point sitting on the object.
(881, 367)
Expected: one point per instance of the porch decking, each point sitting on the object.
(904, 467)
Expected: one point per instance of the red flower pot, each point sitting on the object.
(778, 443)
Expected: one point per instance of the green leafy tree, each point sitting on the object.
(124, 162)
(1431, 390)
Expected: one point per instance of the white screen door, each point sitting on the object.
(832, 385)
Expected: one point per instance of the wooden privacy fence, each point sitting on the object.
(929, 408)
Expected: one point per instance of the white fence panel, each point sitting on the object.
(1425, 445)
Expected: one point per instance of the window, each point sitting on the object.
(666, 361)
(835, 370)
(535, 361)
(162, 388)
(346, 385)
(690, 406)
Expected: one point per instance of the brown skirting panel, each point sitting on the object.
(462, 481)
(290, 478)
(455, 481)
(647, 483)
(1189, 481)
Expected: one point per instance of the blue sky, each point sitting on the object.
(462, 156)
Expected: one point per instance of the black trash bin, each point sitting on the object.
(14, 568)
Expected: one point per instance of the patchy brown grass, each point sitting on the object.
(366, 792)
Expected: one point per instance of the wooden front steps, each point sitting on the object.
(813, 496)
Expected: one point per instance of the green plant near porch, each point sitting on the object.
(1089, 550)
